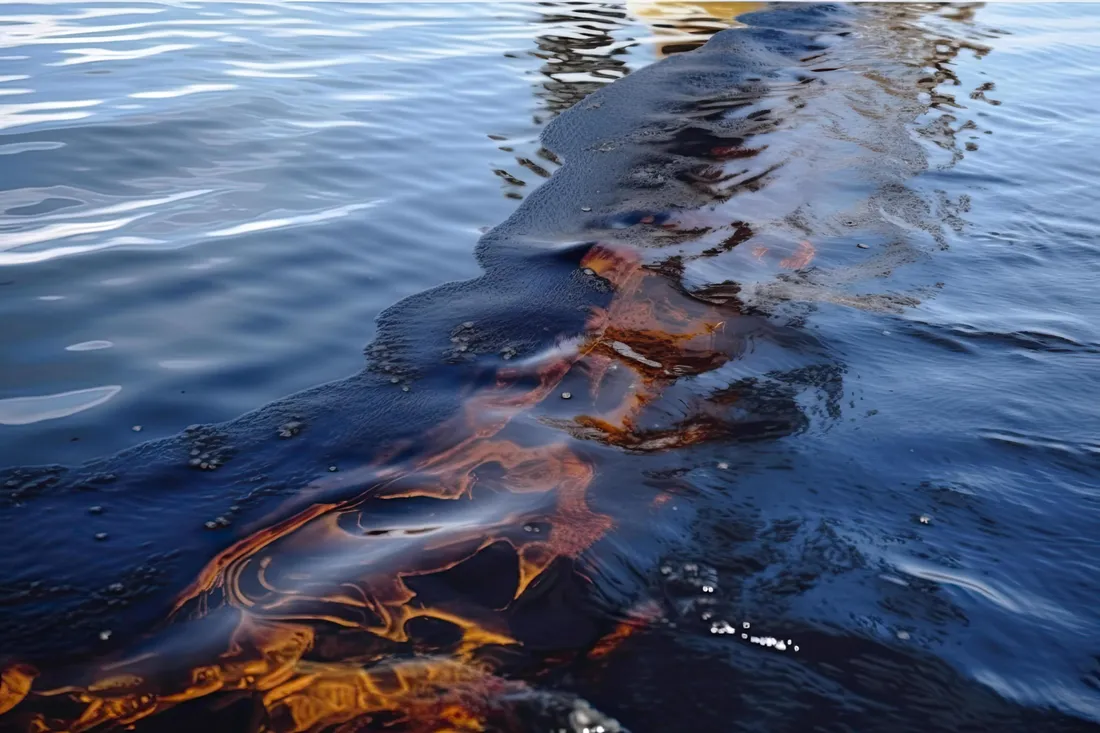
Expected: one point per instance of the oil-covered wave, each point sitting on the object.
(486, 526)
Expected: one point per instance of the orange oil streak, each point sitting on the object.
(801, 258)
(650, 335)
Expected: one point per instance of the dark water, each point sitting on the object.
(833, 281)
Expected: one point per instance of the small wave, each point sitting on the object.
(100, 55)
(184, 91)
(968, 339)
(89, 346)
(27, 410)
(57, 227)
(16, 115)
(291, 221)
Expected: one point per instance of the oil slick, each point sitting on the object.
(431, 581)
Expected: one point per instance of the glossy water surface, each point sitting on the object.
(896, 522)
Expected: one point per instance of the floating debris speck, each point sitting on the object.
(290, 429)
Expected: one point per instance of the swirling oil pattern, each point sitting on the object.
(771, 407)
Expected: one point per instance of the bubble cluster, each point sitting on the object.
(291, 428)
(208, 449)
(586, 719)
(24, 483)
(724, 627)
(463, 339)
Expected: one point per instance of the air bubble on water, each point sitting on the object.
(721, 627)
(770, 642)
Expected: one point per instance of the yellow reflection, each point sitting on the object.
(680, 25)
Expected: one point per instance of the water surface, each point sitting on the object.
(872, 507)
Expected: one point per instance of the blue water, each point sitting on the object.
(204, 206)
(230, 193)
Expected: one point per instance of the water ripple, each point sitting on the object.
(184, 91)
(290, 221)
(28, 410)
